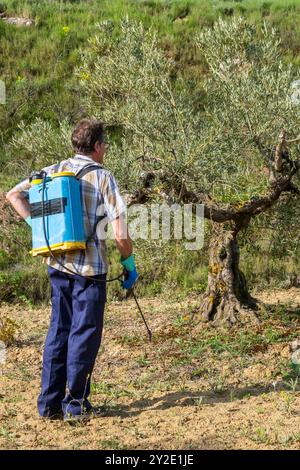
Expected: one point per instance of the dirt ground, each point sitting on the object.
(197, 388)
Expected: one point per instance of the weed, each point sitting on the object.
(292, 384)
(8, 328)
(198, 401)
(287, 401)
(180, 321)
(218, 384)
(261, 435)
(130, 340)
(198, 373)
(102, 387)
(143, 360)
(260, 410)
(182, 386)
(111, 444)
(8, 435)
(285, 439)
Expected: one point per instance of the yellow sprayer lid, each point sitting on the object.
(62, 173)
(36, 181)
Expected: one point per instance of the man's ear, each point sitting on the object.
(97, 147)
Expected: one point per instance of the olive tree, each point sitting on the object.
(237, 153)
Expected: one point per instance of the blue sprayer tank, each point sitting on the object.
(62, 213)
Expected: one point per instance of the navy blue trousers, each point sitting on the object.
(72, 343)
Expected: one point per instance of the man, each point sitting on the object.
(78, 302)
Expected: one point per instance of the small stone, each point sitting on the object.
(19, 21)
(294, 345)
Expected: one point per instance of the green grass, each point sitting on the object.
(236, 344)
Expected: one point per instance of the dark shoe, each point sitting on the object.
(54, 416)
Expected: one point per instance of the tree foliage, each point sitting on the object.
(42, 144)
(249, 91)
(224, 152)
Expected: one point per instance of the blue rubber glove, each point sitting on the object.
(28, 221)
(130, 272)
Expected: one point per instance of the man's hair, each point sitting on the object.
(85, 135)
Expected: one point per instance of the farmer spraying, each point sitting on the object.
(77, 264)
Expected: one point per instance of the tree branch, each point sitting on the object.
(297, 139)
(224, 212)
(278, 151)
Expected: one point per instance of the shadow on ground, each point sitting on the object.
(186, 398)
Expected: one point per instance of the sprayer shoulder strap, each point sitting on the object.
(80, 174)
(87, 169)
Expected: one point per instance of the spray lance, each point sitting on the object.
(68, 188)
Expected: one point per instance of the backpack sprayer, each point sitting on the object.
(57, 219)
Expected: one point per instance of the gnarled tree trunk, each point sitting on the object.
(227, 299)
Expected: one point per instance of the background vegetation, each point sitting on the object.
(37, 64)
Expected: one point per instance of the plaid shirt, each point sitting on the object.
(100, 197)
